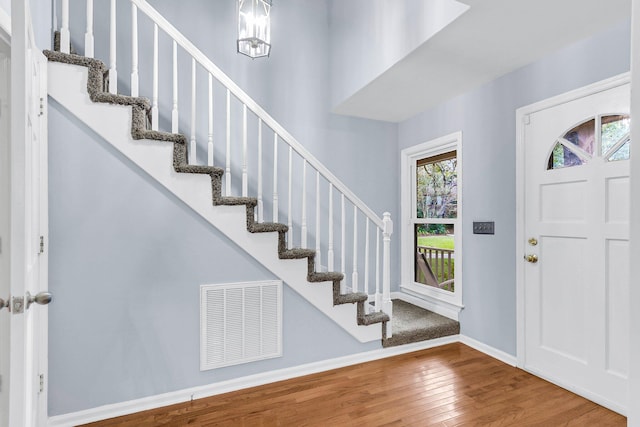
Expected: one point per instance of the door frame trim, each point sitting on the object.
(522, 117)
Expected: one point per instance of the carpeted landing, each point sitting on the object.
(412, 324)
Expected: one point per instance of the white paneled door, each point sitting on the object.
(575, 237)
(27, 242)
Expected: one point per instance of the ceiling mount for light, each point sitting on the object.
(254, 28)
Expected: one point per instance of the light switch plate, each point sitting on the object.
(486, 227)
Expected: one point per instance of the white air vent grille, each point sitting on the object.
(240, 323)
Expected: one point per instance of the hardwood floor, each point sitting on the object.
(452, 385)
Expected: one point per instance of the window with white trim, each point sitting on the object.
(431, 232)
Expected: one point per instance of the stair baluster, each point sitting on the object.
(154, 98)
(343, 245)
(260, 201)
(174, 110)
(290, 202)
(113, 71)
(245, 184)
(275, 177)
(227, 172)
(192, 141)
(134, 51)
(330, 248)
(88, 35)
(210, 150)
(366, 259)
(303, 228)
(354, 275)
(318, 260)
(65, 37)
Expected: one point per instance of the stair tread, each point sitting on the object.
(297, 253)
(157, 135)
(351, 298)
(325, 277)
(73, 59)
(233, 201)
(199, 169)
(112, 98)
(266, 227)
(371, 318)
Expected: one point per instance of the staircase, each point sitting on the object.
(89, 90)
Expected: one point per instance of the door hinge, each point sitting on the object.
(527, 119)
(41, 107)
(41, 383)
(41, 244)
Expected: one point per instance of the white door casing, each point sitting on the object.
(4, 228)
(28, 199)
(573, 310)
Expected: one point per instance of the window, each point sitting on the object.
(436, 197)
(579, 145)
(431, 205)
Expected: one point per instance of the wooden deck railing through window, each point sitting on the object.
(441, 262)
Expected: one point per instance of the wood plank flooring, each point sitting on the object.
(452, 385)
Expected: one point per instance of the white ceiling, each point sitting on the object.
(491, 39)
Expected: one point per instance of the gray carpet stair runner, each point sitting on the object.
(413, 324)
(406, 325)
(141, 108)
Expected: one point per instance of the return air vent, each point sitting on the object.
(240, 323)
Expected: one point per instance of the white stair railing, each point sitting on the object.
(354, 250)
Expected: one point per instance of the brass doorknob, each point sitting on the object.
(531, 258)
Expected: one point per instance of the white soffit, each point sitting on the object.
(491, 39)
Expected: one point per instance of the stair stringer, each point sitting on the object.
(67, 84)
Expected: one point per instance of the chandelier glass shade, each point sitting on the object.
(254, 28)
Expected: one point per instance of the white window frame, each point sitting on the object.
(441, 301)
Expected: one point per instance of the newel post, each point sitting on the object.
(387, 306)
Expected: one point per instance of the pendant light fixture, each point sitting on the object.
(254, 28)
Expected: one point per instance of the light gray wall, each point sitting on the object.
(127, 257)
(369, 36)
(486, 117)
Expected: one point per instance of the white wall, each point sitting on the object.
(369, 36)
(486, 117)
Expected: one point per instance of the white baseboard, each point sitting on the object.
(488, 350)
(153, 402)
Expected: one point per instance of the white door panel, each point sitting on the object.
(576, 290)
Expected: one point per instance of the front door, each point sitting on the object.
(576, 244)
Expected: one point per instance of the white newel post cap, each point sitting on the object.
(388, 224)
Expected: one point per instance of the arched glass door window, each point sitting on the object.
(606, 136)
